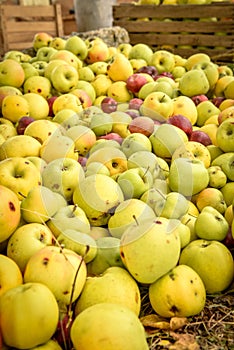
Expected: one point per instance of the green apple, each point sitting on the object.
(99, 67)
(39, 65)
(11, 275)
(171, 206)
(228, 192)
(50, 345)
(63, 271)
(96, 168)
(215, 151)
(108, 255)
(69, 217)
(157, 105)
(146, 89)
(37, 84)
(134, 182)
(213, 262)
(86, 73)
(194, 82)
(144, 159)
(77, 45)
(44, 53)
(124, 48)
(14, 107)
(29, 70)
(205, 110)
(62, 175)
(26, 240)
(211, 224)
(17, 55)
(88, 87)
(166, 293)
(224, 135)
(226, 162)
(195, 59)
(64, 78)
(42, 304)
(165, 139)
(135, 142)
(57, 43)
(153, 195)
(119, 68)
(195, 173)
(141, 242)
(142, 51)
(98, 232)
(115, 285)
(80, 242)
(50, 67)
(218, 178)
(184, 232)
(97, 195)
(9, 212)
(101, 123)
(39, 163)
(163, 60)
(120, 328)
(211, 71)
(19, 175)
(11, 73)
(39, 205)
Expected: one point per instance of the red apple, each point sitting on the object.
(181, 122)
(135, 103)
(200, 136)
(229, 240)
(82, 160)
(62, 334)
(217, 100)
(165, 74)
(112, 136)
(50, 101)
(199, 98)
(143, 125)
(23, 123)
(151, 70)
(109, 105)
(135, 82)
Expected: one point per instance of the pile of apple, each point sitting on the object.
(116, 172)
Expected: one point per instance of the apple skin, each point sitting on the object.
(15, 325)
(143, 125)
(135, 103)
(135, 82)
(181, 122)
(23, 123)
(200, 136)
(212, 260)
(199, 98)
(109, 105)
(151, 70)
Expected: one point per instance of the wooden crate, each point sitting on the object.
(19, 24)
(183, 29)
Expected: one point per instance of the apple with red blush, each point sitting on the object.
(151, 70)
(109, 105)
(135, 103)
(200, 136)
(112, 136)
(50, 101)
(23, 123)
(62, 333)
(165, 74)
(143, 125)
(229, 240)
(135, 82)
(218, 100)
(181, 122)
(82, 160)
(199, 98)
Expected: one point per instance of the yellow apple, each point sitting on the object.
(38, 105)
(42, 129)
(14, 107)
(11, 73)
(193, 150)
(10, 273)
(20, 146)
(185, 106)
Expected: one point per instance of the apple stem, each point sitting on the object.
(134, 217)
(146, 170)
(162, 98)
(21, 194)
(186, 222)
(161, 194)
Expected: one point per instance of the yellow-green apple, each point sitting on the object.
(225, 114)
(7, 131)
(193, 82)
(64, 78)
(58, 146)
(41, 39)
(38, 105)
(211, 71)
(39, 205)
(68, 57)
(166, 138)
(124, 48)
(165, 293)
(67, 117)
(58, 43)
(63, 271)
(195, 59)
(84, 138)
(178, 71)
(134, 182)
(101, 123)
(97, 195)
(96, 168)
(173, 205)
(37, 84)
(11, 275)
(146, 89)
(15, 325)
(137, 63)
(115, 285)
(144, 159)
(44, 53)
(141, 51)
(213, 262)
(50, 67)
(81, 243)
(8, 90)
(205, 110)
(118, 90)
(29, 70)
(98, 232)
(185, 106)
(39, 163)
(26, 240)
(121, 122)
(221, 85)
(224, 135)
(215, 151)
(9, 212)
(101, 83)
(17, 55)
(127, 214)
(11, 73)
(99, 67)
(229, 90)
(218, 178)
(163, 60)
(165, 86)
(153, 194)
(193, 150)
(83, 96)
(20, 146)
(112, 157)
(157, 105)
(159, 236)
(195, 173)
(119, 68)
(19, 175)
(226, 162)
(117, 322)
(42, 129)
(211, 224)
(184, 233)
(228, 192)
(88, 87)
(97, 51)
(86, 73)
(69, 217)
(135, 142)
(14, 107)
(212, 197)
(77, 45)
(40, 66)
(142, 124)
